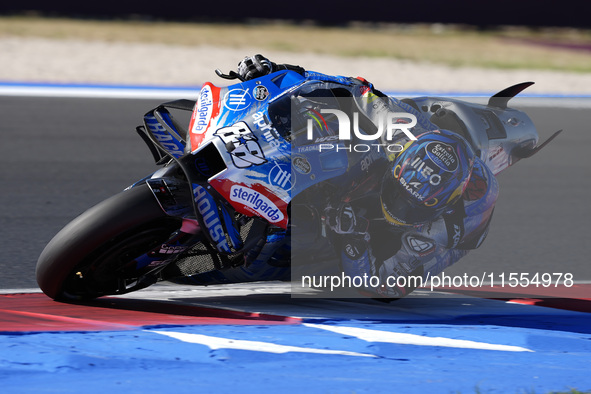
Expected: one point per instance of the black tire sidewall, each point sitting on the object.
(121, 213)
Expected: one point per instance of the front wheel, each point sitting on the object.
(94, 254)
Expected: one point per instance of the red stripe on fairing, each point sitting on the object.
(198, 138)
(38, 313)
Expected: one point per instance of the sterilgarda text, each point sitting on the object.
(390, 123)
(256, 201)
(487, 279)
(203, 111)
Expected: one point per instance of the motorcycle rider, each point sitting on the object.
(436, 201)
(404, 215)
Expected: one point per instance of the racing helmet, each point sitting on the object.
(426, 178)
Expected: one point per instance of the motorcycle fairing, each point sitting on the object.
(247, 161)
(491, 131)
(255, 174)
(213, 217)
(162, 133)
(257, 179)
(253, 199)
(220, 107)
(206, 109)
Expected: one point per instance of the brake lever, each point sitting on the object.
(230, 75)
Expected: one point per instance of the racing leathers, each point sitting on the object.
(401, 259)
(398, 259)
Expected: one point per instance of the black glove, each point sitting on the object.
(344, 221)
(254, 67)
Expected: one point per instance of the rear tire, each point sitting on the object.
(88, 257)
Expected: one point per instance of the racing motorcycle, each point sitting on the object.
(218, 208)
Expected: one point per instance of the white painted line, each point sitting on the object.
(20, 291)
(98, 92)
(215, 343)
(190, 92)
(412, 339)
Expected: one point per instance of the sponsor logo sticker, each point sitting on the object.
(280, 176)
(260, 93)
(237, 100)
(424, 171)
(412, 188)
(208, 211)
(161, 134)
(262, 123)
(256, 202)
(443, 156)
(352, 251)
(420, 246)
(203, 110)
(301, 165)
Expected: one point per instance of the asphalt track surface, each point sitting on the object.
(62, 155)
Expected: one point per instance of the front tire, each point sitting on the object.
(90, 257)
